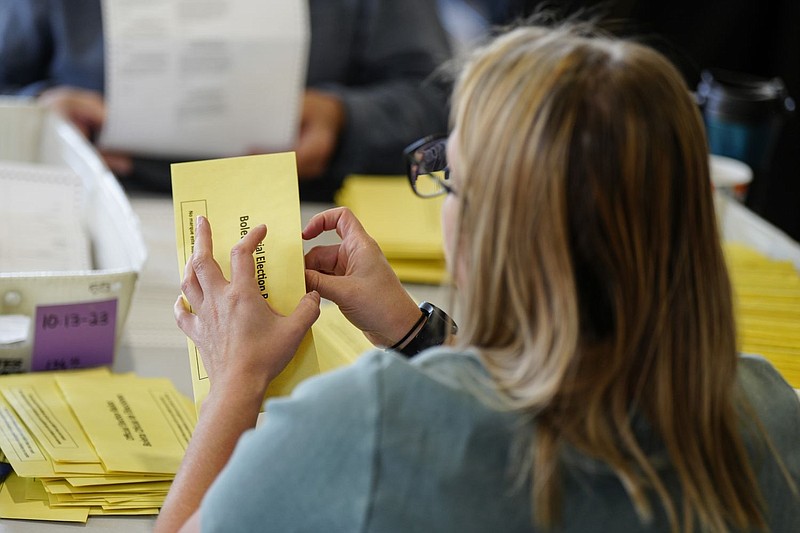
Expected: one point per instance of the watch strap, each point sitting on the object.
(435, 330)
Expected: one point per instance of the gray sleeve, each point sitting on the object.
(25, 47)
(393, 96)
(308, 467)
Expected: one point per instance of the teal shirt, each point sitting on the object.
(386, 445)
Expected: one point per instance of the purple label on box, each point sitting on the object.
(74, 335)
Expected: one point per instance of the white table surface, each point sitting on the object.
(152, 345)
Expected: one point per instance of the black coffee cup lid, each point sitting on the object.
(740, 96)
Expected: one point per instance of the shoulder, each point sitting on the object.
(772, 407)
(311, 465)
(308, 466)
(767, 391)
(772, 400)
(383, 376)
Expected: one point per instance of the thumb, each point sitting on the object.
(307, 311)
(327, 286)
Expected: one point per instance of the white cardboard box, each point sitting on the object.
(72, 318)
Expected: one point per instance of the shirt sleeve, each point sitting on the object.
(309, 465)
(25, 48)
(392, 96)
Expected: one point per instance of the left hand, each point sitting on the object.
(355, 275)
(321, 123)
(244, 343)
(87, 111)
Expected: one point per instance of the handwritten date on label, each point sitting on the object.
(74, 335)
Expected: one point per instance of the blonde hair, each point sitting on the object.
(597, 289)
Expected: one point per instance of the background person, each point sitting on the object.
(594, 383)
(370, 90)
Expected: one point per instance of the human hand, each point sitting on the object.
(321, 122)
(244, 344)
(87, 111)
(356, 276)
(84, 108)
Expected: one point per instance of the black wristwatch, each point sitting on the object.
(435, 329)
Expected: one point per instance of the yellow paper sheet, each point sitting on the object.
(13, 504)
(136, 425)
(339, 343)
(235, 195)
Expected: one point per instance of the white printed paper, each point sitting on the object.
(203, 78)
(42, 227)
(14, 328)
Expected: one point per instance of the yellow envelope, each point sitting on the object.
(426, 271)
(34, 489)
(338, 341)
(405, 225)
(123, 508)
(13, 504)
(136, 425)
(60, 486)
(71, 469)
(39, 404)
(99, 511)
(237, 194)
(767, 306)
(20, 447)
(99, 481)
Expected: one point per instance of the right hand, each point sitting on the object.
(86, 110)
(356, 276)
(321, 123)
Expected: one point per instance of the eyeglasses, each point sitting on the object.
(426, 165)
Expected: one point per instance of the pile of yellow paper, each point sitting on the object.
(338, 341)
(89, 442)
(767, 304)
(407, 228)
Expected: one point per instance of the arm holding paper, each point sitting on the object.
(244, 345)
(369, 58)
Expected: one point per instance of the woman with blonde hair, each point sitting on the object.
(593, 383)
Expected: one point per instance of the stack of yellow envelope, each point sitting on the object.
(407, 228)
(89, 442)
(767, 303)
(337, 340)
